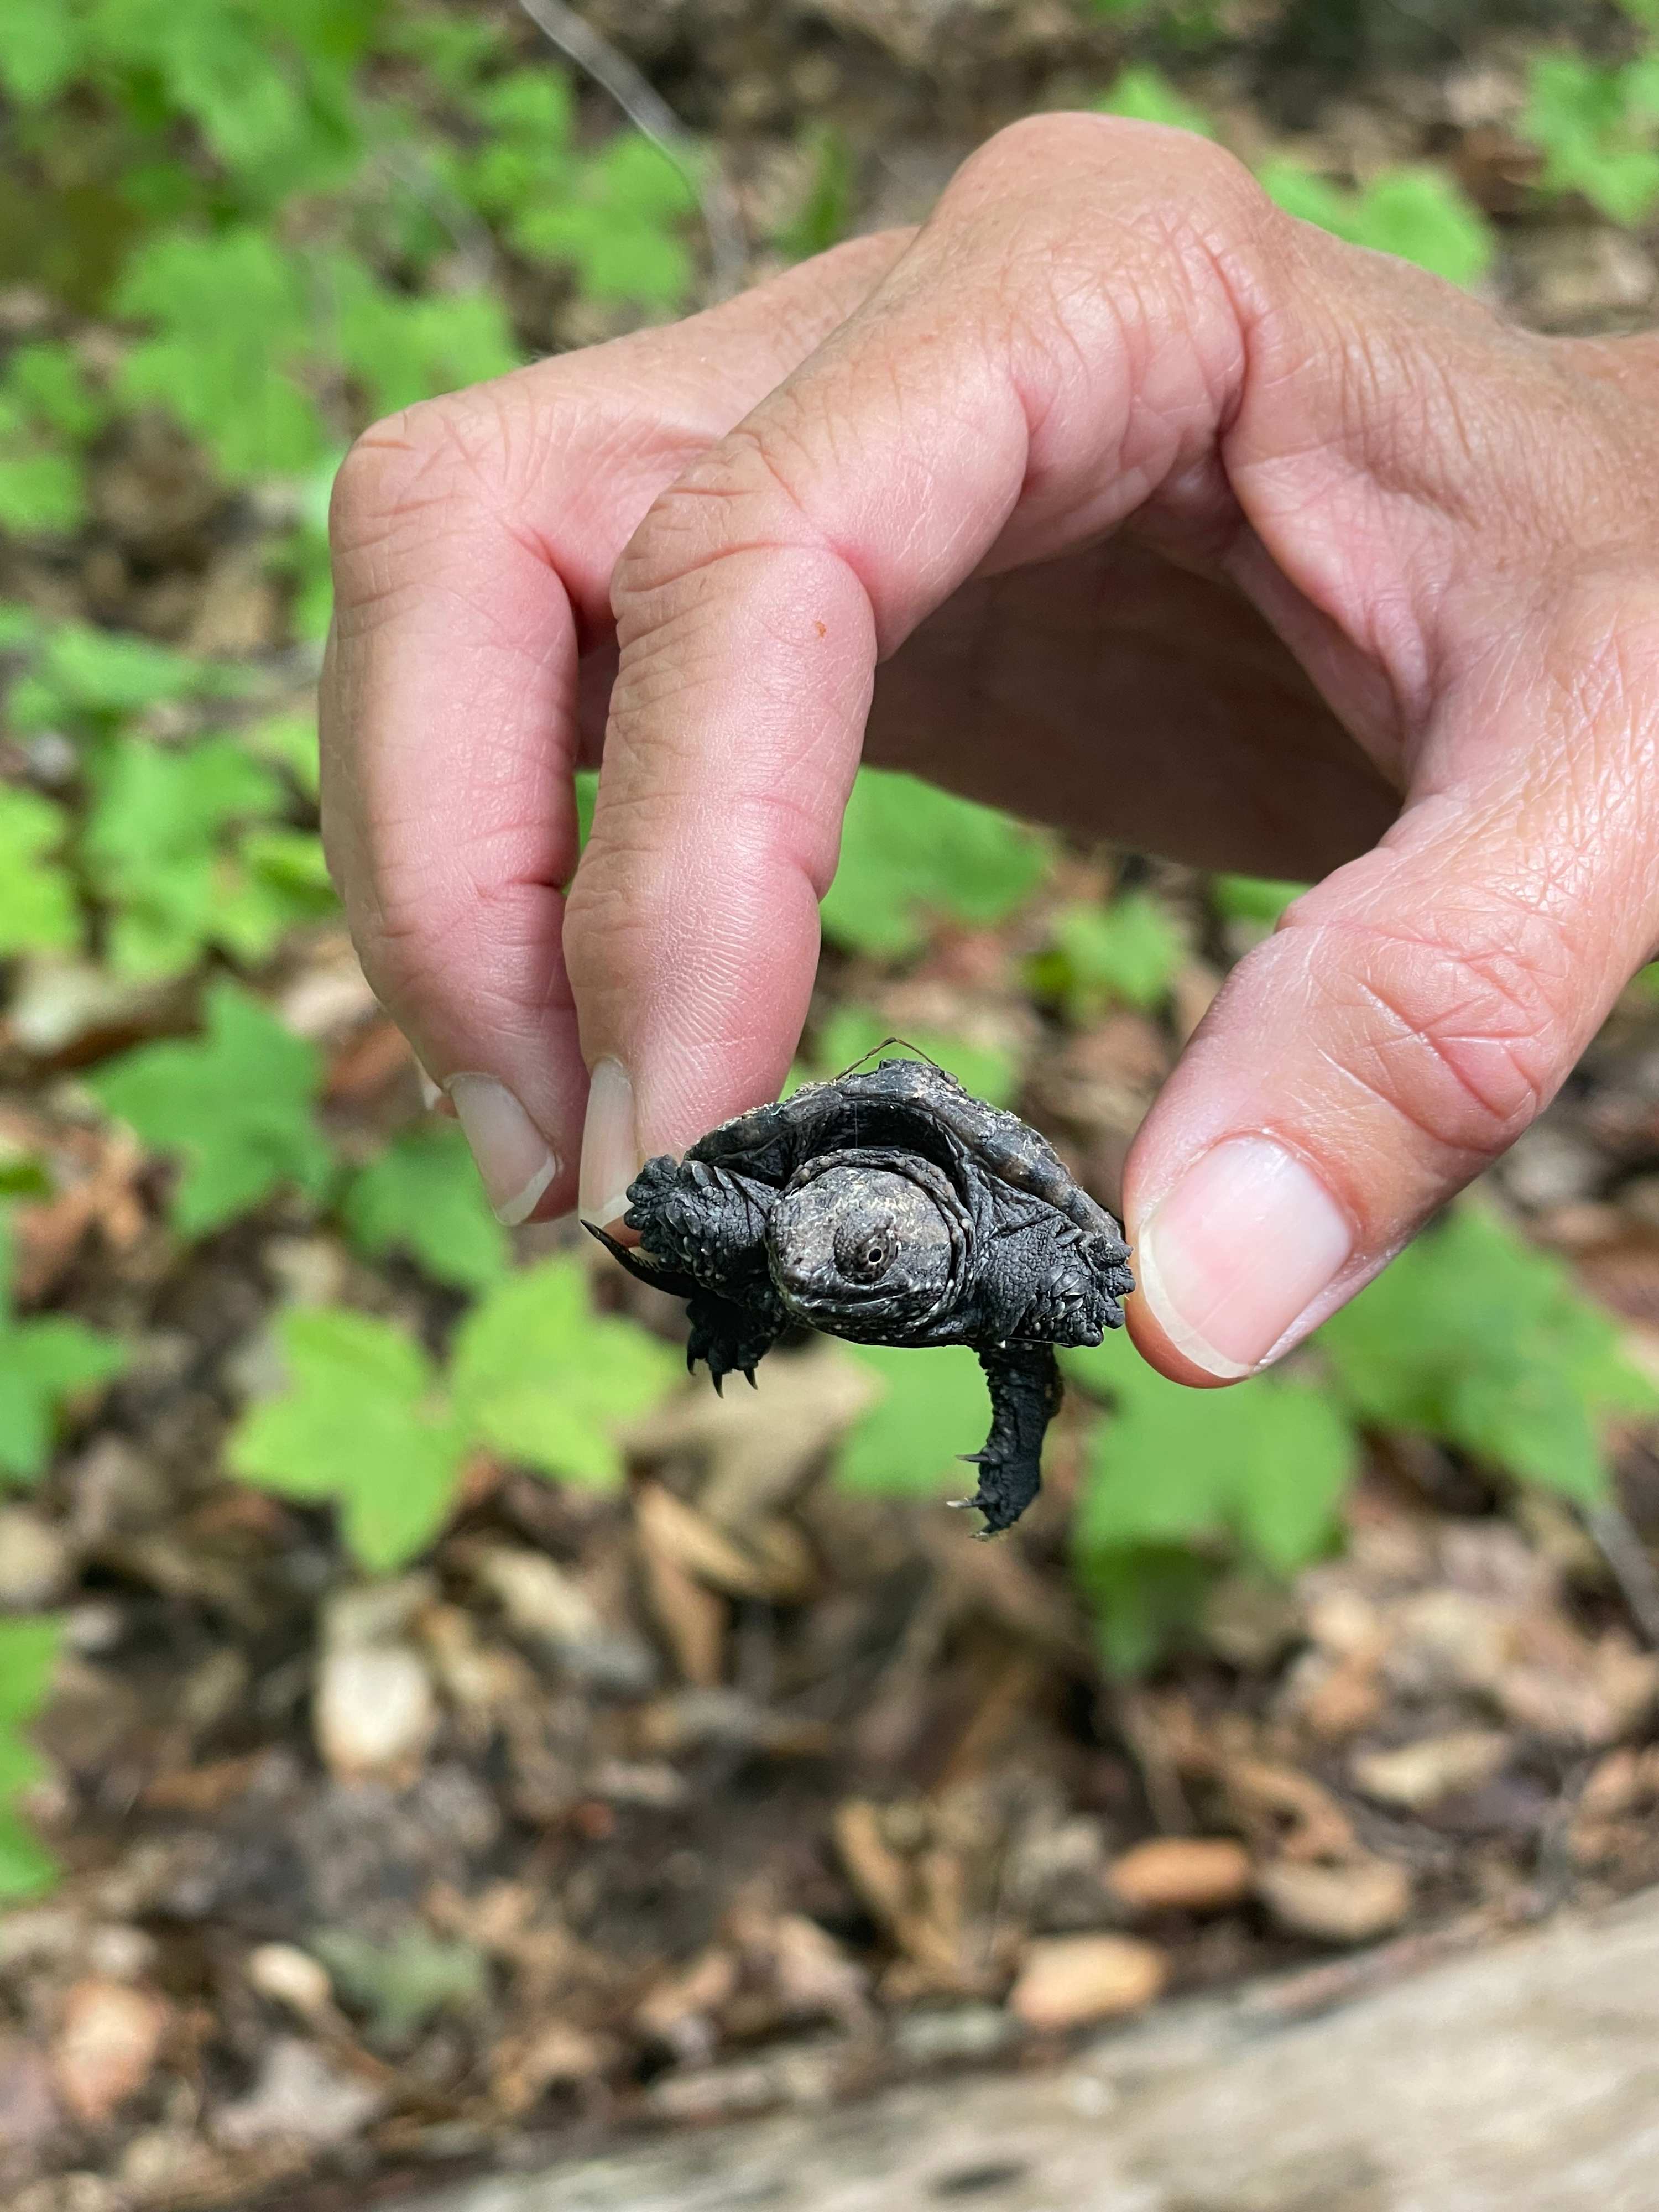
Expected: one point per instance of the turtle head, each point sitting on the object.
(868, 1244)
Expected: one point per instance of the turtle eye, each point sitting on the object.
(865, 1248)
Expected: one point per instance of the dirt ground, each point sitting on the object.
(733, 1790)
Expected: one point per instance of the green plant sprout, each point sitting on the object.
(910, 852)
(46, 1364)
(237, 1107)
(28, 1658)
(1126, 952)
(368, 1422)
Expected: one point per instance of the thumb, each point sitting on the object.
(1412, 1014)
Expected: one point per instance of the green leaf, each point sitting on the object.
(99, 677)
(422, 1196)
(910, 851)
(289, 742)
(542, 1379)
(236, 1106)
(28, 1659)
(824, 213)
(404, 1984)
(1477, 1338)
(233, 322)
(43, 1363)
(853, 1033)
(1146, 94)
(1252, 898)
(1595, 126)
(407, 347)
(1129, 951)
(1265, 1464)
(359, 1425)
(41, 50)
(1179, 1478)
(934, 1408)
(1146, 1598)
(39, 911)
(1417, 214)
(156, 850)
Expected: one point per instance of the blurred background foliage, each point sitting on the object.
(233, 232)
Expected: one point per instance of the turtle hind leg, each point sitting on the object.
(1024, 1384)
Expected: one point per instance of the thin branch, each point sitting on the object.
(651, 116)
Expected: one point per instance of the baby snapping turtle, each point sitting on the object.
(891, 1207)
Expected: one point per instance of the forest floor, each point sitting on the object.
(733, 1790)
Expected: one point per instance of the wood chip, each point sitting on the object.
(1067, 1981)
(1181, 1873)
(106, 2044)
(1353, 1902)
(1418, 1775)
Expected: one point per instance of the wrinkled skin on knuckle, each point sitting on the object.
(1458, 1029)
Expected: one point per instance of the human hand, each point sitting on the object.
(1113, 495)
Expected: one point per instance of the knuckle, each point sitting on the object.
(736, 497)
(1464, 1030)
(1069, 168)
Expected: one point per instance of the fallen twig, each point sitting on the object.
(651, 116)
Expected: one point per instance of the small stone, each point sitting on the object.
(36, 1564)
(1353, 1902)
(290, 1977)
(1418, 1775)
(299, 2097)
(373, 1713)
(1066, 1981)
(1181, 1873)
(29, 2110)
(107, 2046)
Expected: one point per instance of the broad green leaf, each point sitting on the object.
(41, 50)
(233, 322)
(1420, 215)
(1146, 94)
(39, 911)
(542, 1378)
(28, 1659)
(157, 850)
(1129, 951)
(853, 1033)
(1265, 1464)
(910, 851)
(1474, 1336)
(236, 1106)
(288, 741)
(1178, 1479)
(98, 676)
(1595, 127)
(422, 1196)
(407, 347)
(359, 1425)
(934, 1409)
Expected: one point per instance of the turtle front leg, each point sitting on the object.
(731, 1338)
(1024, 1381)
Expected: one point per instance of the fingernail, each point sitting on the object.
(611, 1147)
(1236, 1253)
(431, 1093)
(513, 1157)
